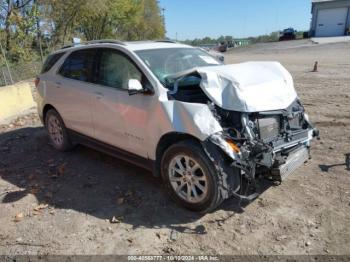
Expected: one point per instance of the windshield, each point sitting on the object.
(170, 61)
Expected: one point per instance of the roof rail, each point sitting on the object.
(105, 41)
(165, 41)
(102, 41)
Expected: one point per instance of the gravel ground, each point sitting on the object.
(84, 202)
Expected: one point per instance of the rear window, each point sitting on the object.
(51, 61)
(79, 65)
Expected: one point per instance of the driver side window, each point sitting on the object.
(115, 70)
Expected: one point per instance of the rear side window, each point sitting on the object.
(79, 65)
(51, 61)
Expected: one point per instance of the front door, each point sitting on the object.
(120, 119)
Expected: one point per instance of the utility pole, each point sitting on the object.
(163, 16)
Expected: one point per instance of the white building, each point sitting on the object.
(330, 18)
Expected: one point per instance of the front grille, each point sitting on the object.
(269, 128)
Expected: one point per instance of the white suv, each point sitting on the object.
(208, 130)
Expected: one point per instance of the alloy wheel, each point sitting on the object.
(188, 179)
(55, 130)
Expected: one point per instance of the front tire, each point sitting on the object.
(190, 177)
(57, 131)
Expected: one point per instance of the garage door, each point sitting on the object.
(331, 22)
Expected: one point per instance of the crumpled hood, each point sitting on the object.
(248, 87)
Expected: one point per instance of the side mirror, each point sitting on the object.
(134, 87)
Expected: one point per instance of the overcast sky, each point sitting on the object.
(239, 18)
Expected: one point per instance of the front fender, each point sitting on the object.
(192, 119)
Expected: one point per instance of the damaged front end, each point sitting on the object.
(258, 139)
(270, 144)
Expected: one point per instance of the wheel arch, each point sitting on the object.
(165, 142)
(46, 108)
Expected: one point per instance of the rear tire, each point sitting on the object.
(57, 131)
(190, 177)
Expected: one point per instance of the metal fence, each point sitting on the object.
(20, 72)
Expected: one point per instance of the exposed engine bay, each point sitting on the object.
(271, 143)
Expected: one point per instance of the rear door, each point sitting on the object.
(73, 91)
(331, 22)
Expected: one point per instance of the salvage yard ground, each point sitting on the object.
(84, 202)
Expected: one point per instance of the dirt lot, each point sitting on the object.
(62, 203)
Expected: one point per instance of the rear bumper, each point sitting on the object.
(40, 106)
(41, 118)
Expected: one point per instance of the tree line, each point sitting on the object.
(209, 41)
(29, 29)
(230, 40)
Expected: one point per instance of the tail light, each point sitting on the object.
(36, 82)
